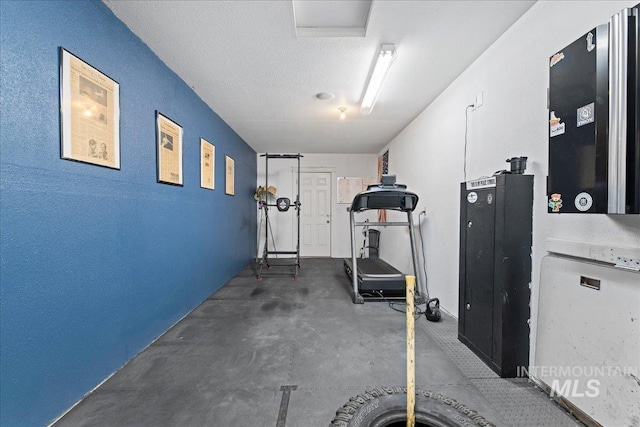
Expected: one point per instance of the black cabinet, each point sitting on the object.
(495, 270)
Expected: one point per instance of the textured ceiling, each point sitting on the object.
(244, 60)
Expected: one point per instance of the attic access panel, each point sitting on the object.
(322, 18)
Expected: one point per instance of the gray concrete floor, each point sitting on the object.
(225, 363)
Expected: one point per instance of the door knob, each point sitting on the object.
(468, 306)
(469, 224)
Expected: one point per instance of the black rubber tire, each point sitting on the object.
(386, 406)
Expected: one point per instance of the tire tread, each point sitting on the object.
(348, 410)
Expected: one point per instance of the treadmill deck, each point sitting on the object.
(377, 277)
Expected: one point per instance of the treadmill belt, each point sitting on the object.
(373, 267)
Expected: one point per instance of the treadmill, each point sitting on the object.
(375, 279)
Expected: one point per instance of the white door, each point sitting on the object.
(315, 215)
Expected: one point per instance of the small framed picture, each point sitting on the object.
(89, 113)
(229, 175)
(207, 164)
(169, 150)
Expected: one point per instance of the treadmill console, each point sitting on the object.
(378, 197)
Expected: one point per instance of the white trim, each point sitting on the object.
(623, 257)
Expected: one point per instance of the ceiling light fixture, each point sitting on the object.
(325, 95)
(342, 112)
(386, 56)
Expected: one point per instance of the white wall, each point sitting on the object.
(602, 351)
(428, 154)
(282, 176)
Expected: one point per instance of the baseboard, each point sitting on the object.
(578, 413)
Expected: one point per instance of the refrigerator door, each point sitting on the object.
(578, 125)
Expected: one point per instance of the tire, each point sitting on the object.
(387, 406)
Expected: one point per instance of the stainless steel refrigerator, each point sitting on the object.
(594, 120)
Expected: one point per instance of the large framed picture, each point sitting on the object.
(229, 175)
(207, 164)
(169, 150)
(89, 113)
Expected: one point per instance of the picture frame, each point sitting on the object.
(89, 113)
(207, 164)
(229, 175)
(168, 150)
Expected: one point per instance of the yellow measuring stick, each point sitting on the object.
(411, 353)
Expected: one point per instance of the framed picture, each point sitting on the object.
(207, 164)
(230, 171)
(169, 150)
(89, 113)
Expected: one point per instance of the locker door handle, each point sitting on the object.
(468, 306)
(469, 224)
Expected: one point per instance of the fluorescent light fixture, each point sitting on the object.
(386, 56)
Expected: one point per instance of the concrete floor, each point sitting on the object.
(225, 363)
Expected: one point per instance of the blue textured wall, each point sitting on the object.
(95, 262)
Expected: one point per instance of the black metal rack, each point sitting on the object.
(265, 206)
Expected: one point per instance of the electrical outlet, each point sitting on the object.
(478, 100)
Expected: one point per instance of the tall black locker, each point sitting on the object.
(495, 270)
